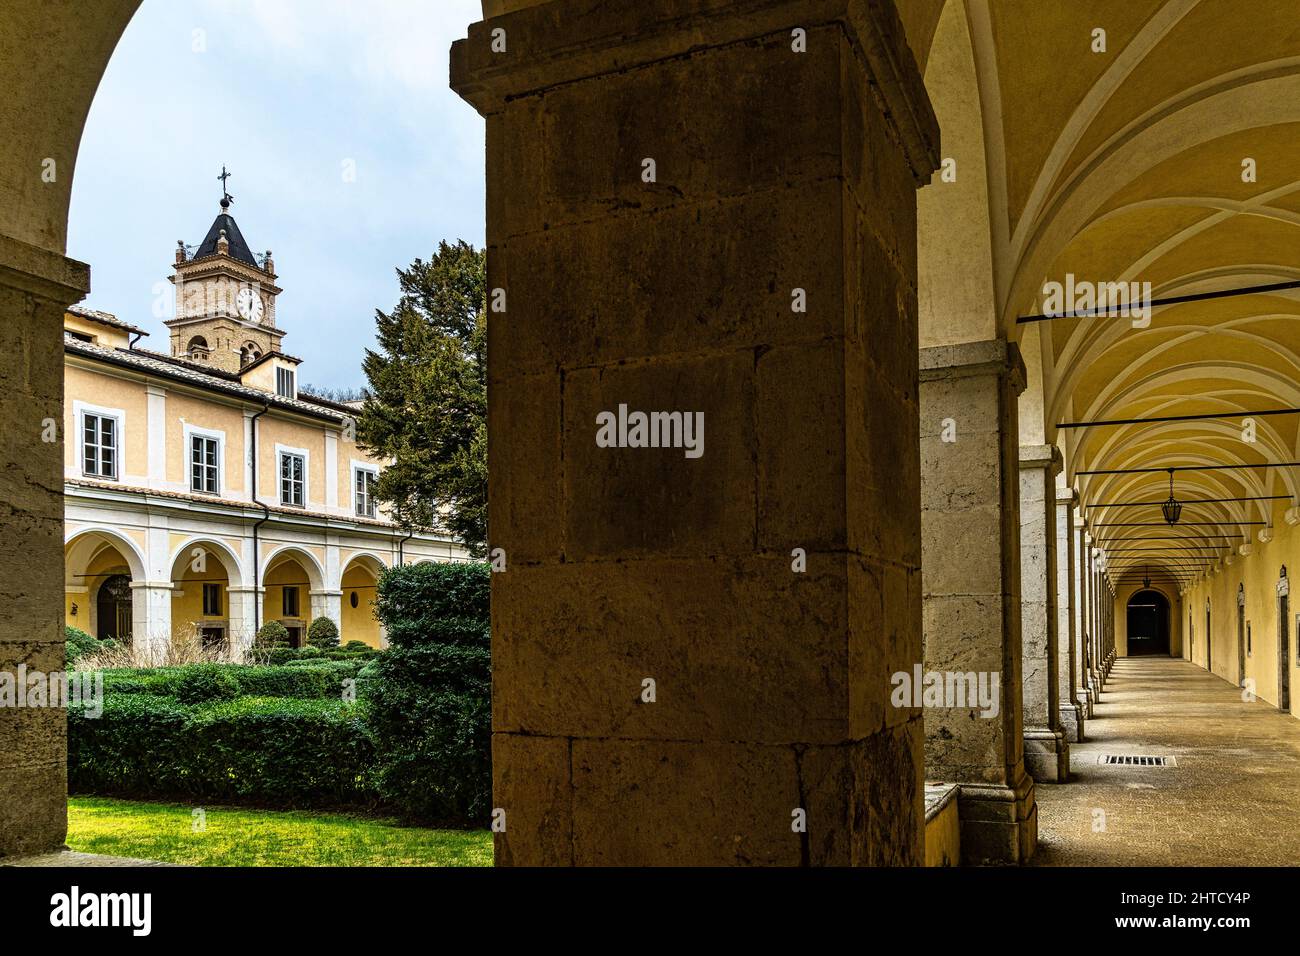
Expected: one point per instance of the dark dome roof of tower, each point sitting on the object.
(238, 247)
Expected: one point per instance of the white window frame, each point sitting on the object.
(305, 455)
(359, 467)
(293, 381)
(80, 410)
(192, 432)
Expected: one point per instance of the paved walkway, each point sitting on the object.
(1232, 800)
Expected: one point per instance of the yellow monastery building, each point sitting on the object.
(204, 494)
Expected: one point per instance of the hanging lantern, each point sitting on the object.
(1172, 508)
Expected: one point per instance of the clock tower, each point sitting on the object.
(225, 298)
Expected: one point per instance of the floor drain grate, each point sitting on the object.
(1135, 760)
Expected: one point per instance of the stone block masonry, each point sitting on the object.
(692, 655)
(35, 287)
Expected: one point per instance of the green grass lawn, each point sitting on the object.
(233, 836)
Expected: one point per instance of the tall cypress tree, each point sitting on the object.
(427, 404)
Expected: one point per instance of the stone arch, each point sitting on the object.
(97, 536)
(305, 559)
(230, 562)
(91, 560)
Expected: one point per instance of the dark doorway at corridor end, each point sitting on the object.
(1148, 623)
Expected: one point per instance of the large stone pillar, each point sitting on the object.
(1047, 755)
(1081, 621)
(971, 589)
(35, 287)
(704, 209)
(1071, 715)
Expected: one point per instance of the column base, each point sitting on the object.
(999, 824)
(1047, 755)
(1072, 717)
(1084, 697)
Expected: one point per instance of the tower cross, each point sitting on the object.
(223, 177)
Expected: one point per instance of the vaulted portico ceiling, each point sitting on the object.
(1169, 158)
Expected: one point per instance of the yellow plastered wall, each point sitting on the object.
(1258, 575)
(1176, 615)
(107, 391)
(287, 573)
(185, 410)
(359, 623)
(104, 335)
(293, 434)
(187, 600)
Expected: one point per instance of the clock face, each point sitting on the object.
(249, 304)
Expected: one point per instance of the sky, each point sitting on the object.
(349, 157)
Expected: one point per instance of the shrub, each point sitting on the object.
(356, 646)
(272, 751)
(200, 683)
(80, 644)
(270, 634)
(429, 695)
(323, 634)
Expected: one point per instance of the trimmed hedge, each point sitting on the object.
(277, 751)
(200, 683)
(430, 693)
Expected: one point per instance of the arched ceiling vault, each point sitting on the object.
(1171, 157)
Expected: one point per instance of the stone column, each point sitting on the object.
(35, 287)
(1082, 635)
(707, 210)
(241, 618)
(1094, 651)
(1071, 715)
(971, 589)
(1047, 755)
(151, 621)
(327, 604)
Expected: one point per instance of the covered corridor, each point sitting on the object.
(1231, 799)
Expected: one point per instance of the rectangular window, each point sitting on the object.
(98, 446)
(292, 472)
(204, 465)
(284, 383)
(212, 600)
(289, 602)
(365, 492)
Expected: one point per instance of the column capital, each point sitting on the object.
(1068, 496)
(41, 272)
(989, 357)
(566, 40)
(1047, 457)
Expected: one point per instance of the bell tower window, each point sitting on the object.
(198, 350)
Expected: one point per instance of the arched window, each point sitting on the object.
(248, 353)
(198, 350)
